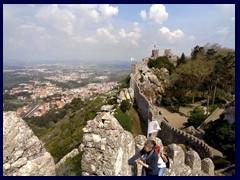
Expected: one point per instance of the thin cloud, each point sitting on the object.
(224, 31)
(105, 33)
(15, 44)
(143, 15)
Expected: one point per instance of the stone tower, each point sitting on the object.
(168, 53)
(155, 53)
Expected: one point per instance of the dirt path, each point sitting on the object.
(178, 120)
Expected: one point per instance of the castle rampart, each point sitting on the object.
(168, 134)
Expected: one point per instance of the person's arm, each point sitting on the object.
(164, 158)
(132, 160)
(142, 163)
(153, 162)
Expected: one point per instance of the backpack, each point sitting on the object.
(168, 162)
(157, 148)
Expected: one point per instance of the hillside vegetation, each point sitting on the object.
(61, 129)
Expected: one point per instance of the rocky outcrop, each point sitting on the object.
(106, 147)
(107, 108)
(126, 94)
(23, 153)
(152, 82)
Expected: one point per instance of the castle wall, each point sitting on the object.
(141, 101)
(170, 135)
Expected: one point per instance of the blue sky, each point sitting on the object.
(112, 32)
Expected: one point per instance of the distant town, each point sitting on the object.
(43, 87)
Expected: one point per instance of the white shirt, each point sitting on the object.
(161, 163)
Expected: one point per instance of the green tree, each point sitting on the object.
(221, 135)
(198, 53)
(196, 118)
(197, 71)
(161, 62)
(182, 59)
(77, 103)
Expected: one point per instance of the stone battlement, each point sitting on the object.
(169, 135)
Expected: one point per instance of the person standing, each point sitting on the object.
(161, 164)
(161, 159)
(147, 158)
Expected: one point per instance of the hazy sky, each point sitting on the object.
(111, 31)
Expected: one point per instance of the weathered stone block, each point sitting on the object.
(176, 153)
(208, 166)
(193, 160)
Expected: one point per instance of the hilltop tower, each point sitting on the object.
(172, 58)
(155, 53)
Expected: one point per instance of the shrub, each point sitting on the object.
(112, 101)
(196, 118)
(221, 163)
(213, 108)
(166, 101)
(125, 105)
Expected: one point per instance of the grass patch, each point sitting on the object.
(71, 167)
(136, 129)
(124, 120)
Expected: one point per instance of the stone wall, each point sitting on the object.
(187, 164)
(106, 147)
(144, 106)
(23, 153)
(169, 135)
